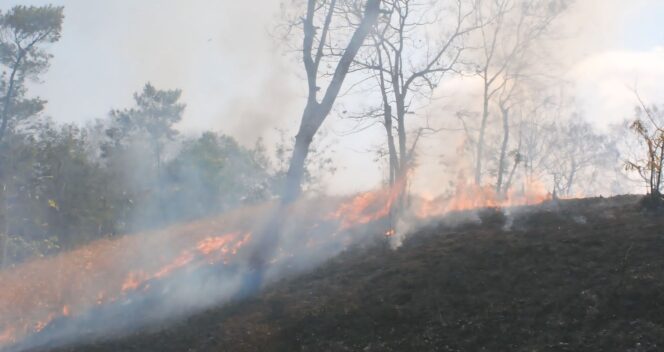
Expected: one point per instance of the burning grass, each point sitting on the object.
(115, 271)
(554, 282)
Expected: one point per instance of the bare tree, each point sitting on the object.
(649, 128)
(579, 150)
(508, 31)
(409, 63)
(316, 39)
(505, 103)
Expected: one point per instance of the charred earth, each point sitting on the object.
(578, 275)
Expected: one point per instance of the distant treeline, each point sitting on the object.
(65, 185)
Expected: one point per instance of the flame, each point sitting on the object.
(179, 262)
(108, 270)
(211, 249)
(368, 206)
(40, 325)
(471, 196)
(101, 297)
(132, 282)
(7, 336)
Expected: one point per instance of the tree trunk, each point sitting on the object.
(503, 149)
(508, 184)
(387, 121)
(392, 150)
(659, 169)
(401, 133)
(6, 102)
(480, 140)
(315, 113)
(570, 178)
(4, 230)
(303, 139)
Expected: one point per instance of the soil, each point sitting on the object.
(579, 275)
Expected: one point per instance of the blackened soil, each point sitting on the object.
(584, 275)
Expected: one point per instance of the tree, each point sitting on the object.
(213, 173)
(649, 129)
(317, 37)
(579, 149)
(408, 68)
(23, 32)
(505, 104)
(319, 164)
(508, 31)
(154, 115)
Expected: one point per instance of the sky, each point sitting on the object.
(238, 80)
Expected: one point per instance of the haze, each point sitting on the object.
(238, 78)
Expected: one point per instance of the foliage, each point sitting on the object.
(319, 164)
(581, 154)
(214, 173)
(649, 130)
(24, 30)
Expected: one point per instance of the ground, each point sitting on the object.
(582, 275)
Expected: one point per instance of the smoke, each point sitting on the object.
(111, 286)
(238, 78)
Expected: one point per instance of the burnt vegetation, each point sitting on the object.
(128, 232)
(574, 276)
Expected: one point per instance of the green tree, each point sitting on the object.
(154, 115)
(24, 30)
(214, 173)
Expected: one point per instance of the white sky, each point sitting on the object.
(237, 81)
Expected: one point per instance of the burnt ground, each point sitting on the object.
(585, 275)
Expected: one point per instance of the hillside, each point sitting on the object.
(582, 275)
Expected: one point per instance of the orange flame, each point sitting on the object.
(32, 292)
(368, 206)
(8, 336)
(132, 282)
(471, 196)
(31, 298)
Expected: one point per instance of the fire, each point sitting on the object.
(109, 270)
(471, 196)
(368, 206)
(40, 325)
(132, 282)
(101, 297)
(7, 336)
(214, 244)
(212, 249)
(185, 258)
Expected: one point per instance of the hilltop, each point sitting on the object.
(579, 275)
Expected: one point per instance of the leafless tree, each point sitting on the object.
(506, 102)
(578, 149)
(319, 32)
(413, 47)
(649, 128)
(508, 31)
